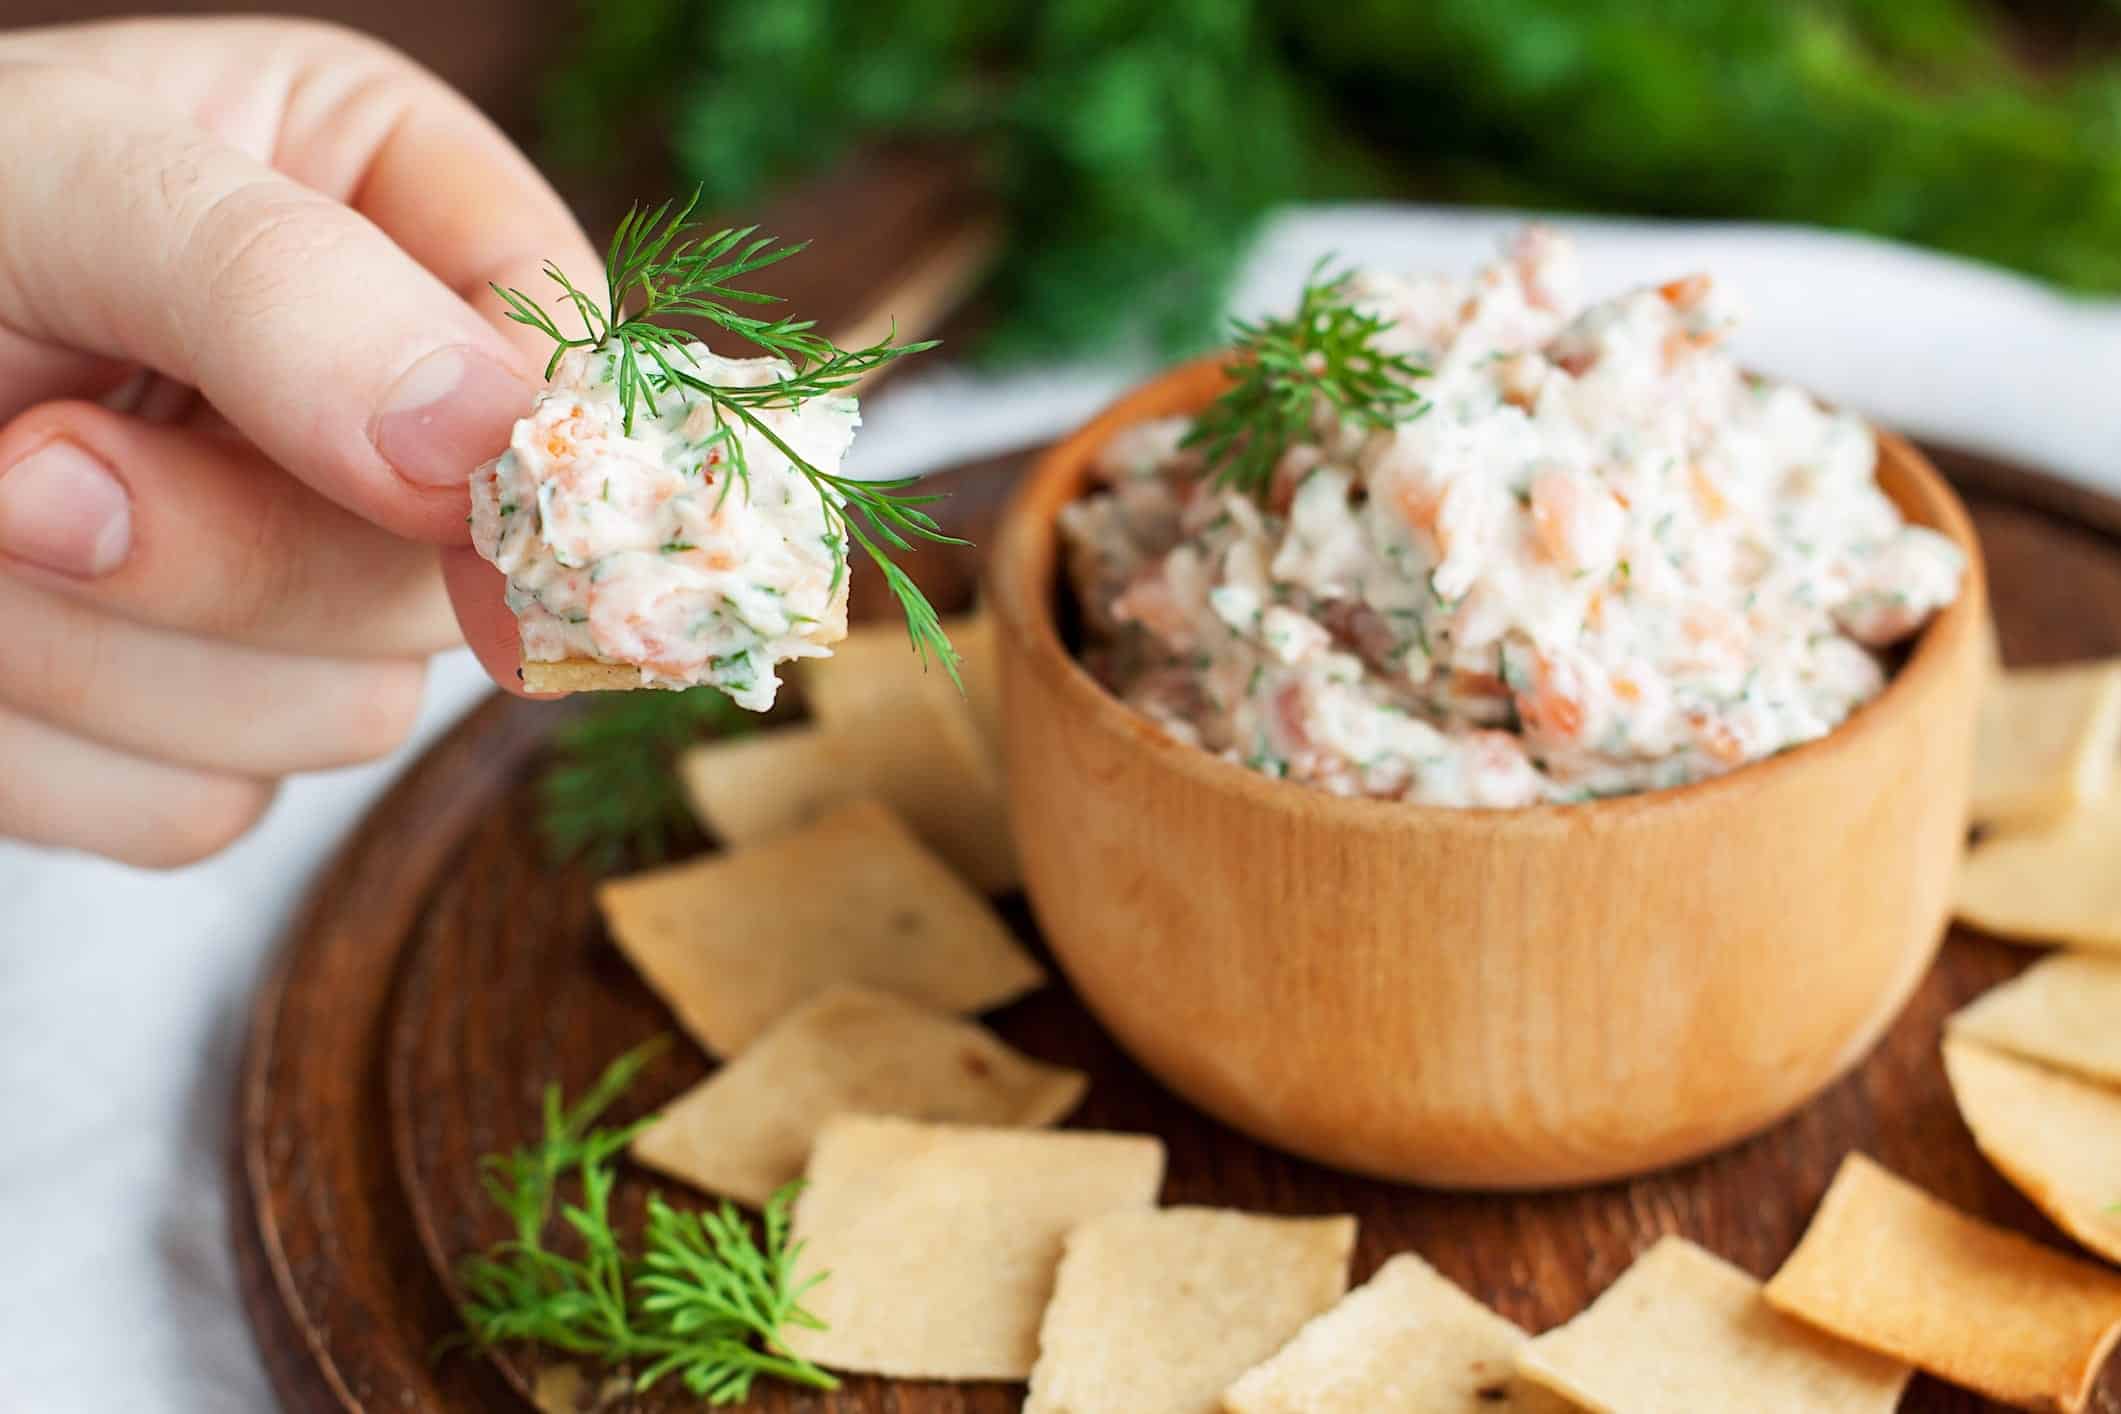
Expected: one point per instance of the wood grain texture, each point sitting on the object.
(441, 974)
(1482, 998)
(342, 1305)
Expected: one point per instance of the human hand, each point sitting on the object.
(248, 359)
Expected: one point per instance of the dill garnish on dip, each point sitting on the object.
(677, 516)
(1463, 542)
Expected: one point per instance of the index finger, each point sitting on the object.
(373, 129)
(130, 233)
(421, 161)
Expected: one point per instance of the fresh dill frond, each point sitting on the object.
(611, 788)
(664, 265)
(1287, 371)
(706, 1300)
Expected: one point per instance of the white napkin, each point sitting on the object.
(122, 993)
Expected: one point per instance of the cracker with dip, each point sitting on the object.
(665, 517)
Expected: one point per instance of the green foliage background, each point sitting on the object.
(1138, 144)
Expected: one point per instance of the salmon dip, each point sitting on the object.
(645, 547)
(1599, 558)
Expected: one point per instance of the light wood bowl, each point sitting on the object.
(1482, 998)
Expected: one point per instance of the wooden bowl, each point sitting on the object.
(1482, 998)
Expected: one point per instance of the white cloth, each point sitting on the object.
(121, 992)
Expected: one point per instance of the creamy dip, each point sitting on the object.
(646, 548)
(1602, 559)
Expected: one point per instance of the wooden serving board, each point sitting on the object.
(442, 973)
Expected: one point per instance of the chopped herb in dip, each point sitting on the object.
(643, 556)
(1581, 554)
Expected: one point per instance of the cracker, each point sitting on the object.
(580, 675)
(2059, 885)
(558, 1389)
(566, 1389)
(747, 1129)
(941, 1240)
(2064, 1011)
(1157, 1312)
(1683, 1331)
(2056, 1137)
(735, 941)
(1405, 1340)
(915, 744)
(1888, 1266)
(975, 639)
(747, 789)
(876, 667)
(2046, 743)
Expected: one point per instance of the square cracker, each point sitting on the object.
(733, 942)
(2046, 743)
(747, 789)
(747, 1129)
(1407, 1339)
(915, 743)
(881, 663)
(1684, 1331)
(2064, 1011)
(2059, 885)
(1888, 1266)
(941, 1240)
(2055, 1136)
(1157, 1312)
(974, 637)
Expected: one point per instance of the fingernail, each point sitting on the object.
(447, 413)
(62, 509)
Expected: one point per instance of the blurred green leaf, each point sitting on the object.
(1137, 145)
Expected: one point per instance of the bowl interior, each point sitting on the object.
(1036, 605)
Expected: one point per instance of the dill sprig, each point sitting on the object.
(1285, 372)
(612, 787)
(663, 265)
(706, 1300)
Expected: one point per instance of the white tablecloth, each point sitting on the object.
(121, 992)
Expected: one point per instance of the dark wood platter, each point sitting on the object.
(442, 972)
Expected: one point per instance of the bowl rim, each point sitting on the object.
(1022, 579)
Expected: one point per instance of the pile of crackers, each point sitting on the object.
(832, 957)
(2036, 1063)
